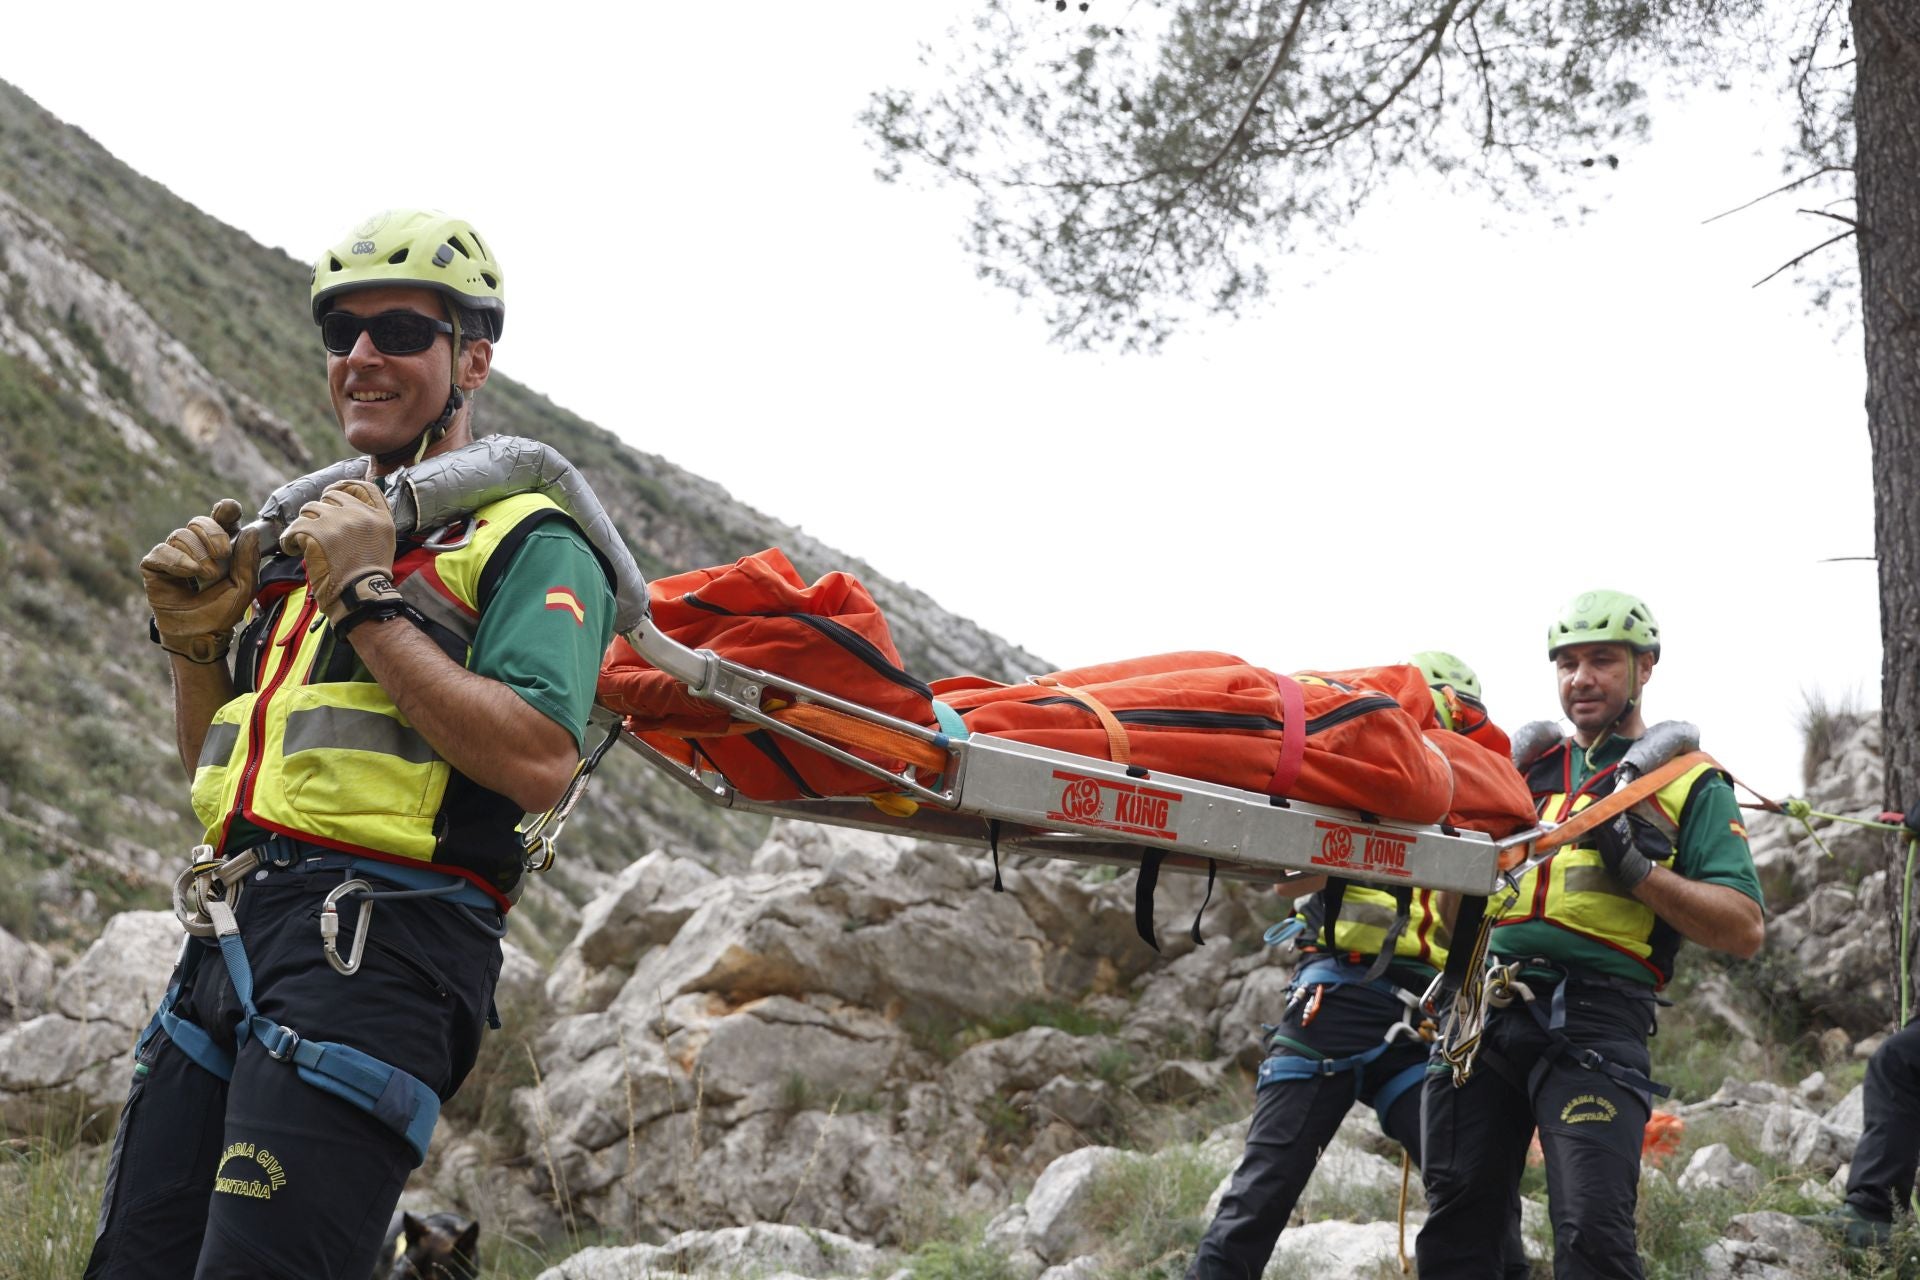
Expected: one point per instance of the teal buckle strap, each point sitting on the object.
(392, 1096)
(1288, 1067)
(950, 723)
(395, 1098)
(186, 1036)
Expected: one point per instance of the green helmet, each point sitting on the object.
(1443, 668)
(1605, 617)
(419, 247)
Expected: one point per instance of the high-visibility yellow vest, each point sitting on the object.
(1573, 891)
(1365, 918)
(310, 751)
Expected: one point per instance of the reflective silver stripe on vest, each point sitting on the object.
(1367, 913)
(1595, 880)
(218, 746)
(344, 728)
(437, 608)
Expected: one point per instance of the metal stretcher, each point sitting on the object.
(1019, 798)
(992, 792)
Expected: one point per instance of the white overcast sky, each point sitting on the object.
(1430, 440)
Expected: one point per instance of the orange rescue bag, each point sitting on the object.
(760, 613)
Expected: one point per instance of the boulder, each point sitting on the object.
(1338, 1249)
(763, 1249)
(1715, 1168)
(120, 978)
(1768, 1246)
(26, 978)
(1056, 1227)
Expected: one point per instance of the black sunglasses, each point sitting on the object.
(394, 333)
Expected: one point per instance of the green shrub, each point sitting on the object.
(958, 1260)
(51, 1185)
(1148, 1211)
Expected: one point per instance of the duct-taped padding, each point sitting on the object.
(455, 484)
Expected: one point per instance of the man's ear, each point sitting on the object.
(1646, 663)
(476, 361)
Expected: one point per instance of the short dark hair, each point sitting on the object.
(474, 323)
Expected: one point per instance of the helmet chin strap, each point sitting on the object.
(1633, 700)
(435, 430)
(415, 449)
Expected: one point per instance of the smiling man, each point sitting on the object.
(1589, 941)
(390, 711)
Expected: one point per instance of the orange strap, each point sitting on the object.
(1605, 810)
(851, 731)
(1118, 750)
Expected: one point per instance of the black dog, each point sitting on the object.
(440, 1246)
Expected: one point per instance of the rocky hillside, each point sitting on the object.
(852, 1058)
(152, 359)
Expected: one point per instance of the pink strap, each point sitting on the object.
(1293, 735)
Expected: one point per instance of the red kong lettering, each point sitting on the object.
(1137, 810)
(1383, 851)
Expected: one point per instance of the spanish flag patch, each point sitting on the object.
(563, 599)
(1738, 829)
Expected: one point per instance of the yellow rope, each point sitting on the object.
(1406, 1176)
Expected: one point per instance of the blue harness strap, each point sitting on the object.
(395, 1098)
(1389, 1093)
(1331, 971)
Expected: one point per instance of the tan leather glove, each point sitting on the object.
(200, 581)
(346, 536)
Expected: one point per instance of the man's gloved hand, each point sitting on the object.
(346, 536)
(200, 581)
(1623, 859)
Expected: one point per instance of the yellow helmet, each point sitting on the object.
(420, 247)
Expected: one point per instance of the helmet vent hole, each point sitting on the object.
(491, 282)
(458, 247)
(334, 264)
(399, 256)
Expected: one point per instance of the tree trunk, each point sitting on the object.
(1887, 177)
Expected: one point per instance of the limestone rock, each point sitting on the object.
(1055, 1224)
(1715, 1168)
(1850, 1113)
(121, 977)
(763, 1249)
(1337, 1249)
(1768, 1246)
(1261, 998)
(26, 978)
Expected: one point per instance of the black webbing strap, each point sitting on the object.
(1402, 913)
(1143, 895)
(993, 843)
(1330, 898)
(1199, 941)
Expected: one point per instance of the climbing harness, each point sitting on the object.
(1310, 983)
(1466, 972)
(1553, 1021)
(206, 897)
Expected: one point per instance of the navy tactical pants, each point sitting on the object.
(1590, 1127)
(1295, 1119)
(268, 1176)
(1881, 1179)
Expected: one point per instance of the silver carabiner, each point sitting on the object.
(330, 927)
(194, 887)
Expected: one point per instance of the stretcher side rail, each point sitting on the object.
(1079, 807)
